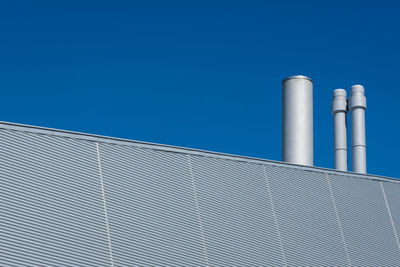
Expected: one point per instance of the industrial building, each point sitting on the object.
(74, 199)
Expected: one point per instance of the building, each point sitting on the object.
(73, 199)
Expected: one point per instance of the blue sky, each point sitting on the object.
(204, 74)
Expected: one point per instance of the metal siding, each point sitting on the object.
(392, 193)
(50, 202)
(236, 214)
(306, 217)
(65, 203)
(151, 208)
(365, 221)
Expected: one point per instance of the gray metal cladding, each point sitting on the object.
(306, 217)
(51, 210)
(235, 212)
(392, 197)
(365, 221)
(151, 208)
(70, 199)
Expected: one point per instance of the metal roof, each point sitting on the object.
(172, 148)
(73, 199)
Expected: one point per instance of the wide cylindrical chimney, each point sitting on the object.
(297, 120)
(339, 112)
(358, 105)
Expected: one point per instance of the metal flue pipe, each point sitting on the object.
(339, 112)
(297, 120)
(358, 105)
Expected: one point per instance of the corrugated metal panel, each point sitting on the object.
(306, 217)
(392, 194)
(65, 201)
(235, 212)
(151, 208)
(51, 210)
(365, 221)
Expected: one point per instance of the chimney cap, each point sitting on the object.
(357, 88)
(339, 92)
(297, 77)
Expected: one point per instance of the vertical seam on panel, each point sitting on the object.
(338, 220)
(278, 232)
(390, 216)
(104, 204)
(203, 241)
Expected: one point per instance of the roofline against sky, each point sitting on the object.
(182, 150)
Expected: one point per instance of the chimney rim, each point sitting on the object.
(297, 77)
(357, 88)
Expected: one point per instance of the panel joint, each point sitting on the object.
(203, 241)
(338, 220)
(104, 204)
(278, 232)
(390, 216)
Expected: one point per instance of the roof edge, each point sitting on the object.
(176, 149)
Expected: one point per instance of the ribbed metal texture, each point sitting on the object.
(72, 200)
(392, 193)
(365, 221)
(236, 213)
(51, 209)
(151, 208)
(306, 217)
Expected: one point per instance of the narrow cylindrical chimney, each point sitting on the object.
(339, 112)
(358, 105)
(297, 120)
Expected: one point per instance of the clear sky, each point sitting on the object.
(200, 74)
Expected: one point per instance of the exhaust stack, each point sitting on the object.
(339, 112)
(297, 120)
(358, 105)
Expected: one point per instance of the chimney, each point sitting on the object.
(358, 105)
(339, 112)
(297, 120)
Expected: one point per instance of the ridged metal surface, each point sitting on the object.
(51, 211)
(306, 217)
(365, 221)
(151, 208)
(236, 213)
(392, 193)
(73, 200)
